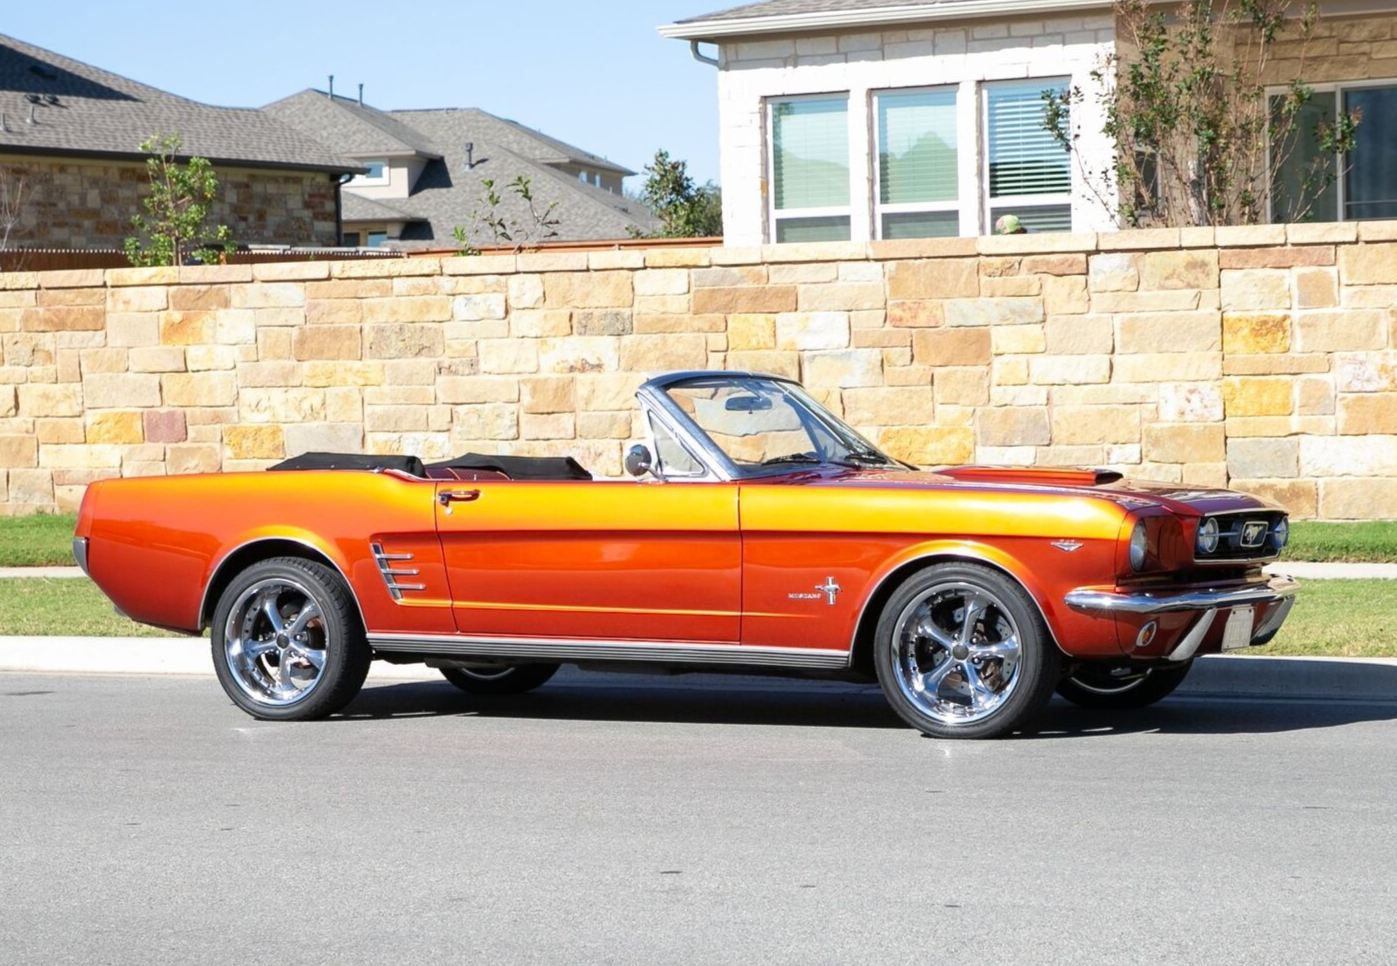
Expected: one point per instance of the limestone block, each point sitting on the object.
(1354, 499)
(9, 403)
(1168, 367)
(843, 368)
(59, 430)
(579, 354)
(1010, 285)
(79, 456)
(610, 392)
(1190, 402)
(1075, 334)
(103, 360)
(1368, 413)
(509, 355)
(1366, 371)
(186, 328)
(659, 281)
(745, 300)
(1262, 457)
(485, 421)
(1168, 332)
(202, 358)
(812, 330)
(421, 308)
(254, 442)
(103, 390)
(239, 326)
(136, 299)
(479, 265)
(1020, 339)
(403, 341)
(341, 373)
(1255, 289)
(1049, 370)
(1370, 455)
(264, 374)
(1168, 300)
(746, 331)
(658, 353)
(653, 324)
(334, 311)
(1090, 425)
(1058, 264)
(18, 451)
(1066, 295)
(922, 313)
(1187, 269)
(929, 445)
(1368, 264)
(547, 426)
(349, 289)
(840, 297)
(1250, 334)
(551, 394)
(961, 386)
(395, 419)
(199, 298)
(195, 389)
(268, 295)
(75, 318)
(1250, 235)
(163, 426)
(604, 425)
(727, 277)
(600, 322)
(1115, 272)
(327, 342)
(993, 311)
(1013, 427)
(951, 347)
(588, 290)
(889, 405)
(298, 405)
(1345, 331)
(1184, 443)
(1314, 396)
(1257, 396)
(473, 308)
(766, 360)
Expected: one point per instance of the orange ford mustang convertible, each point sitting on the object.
(759, 534)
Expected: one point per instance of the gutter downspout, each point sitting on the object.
(700, 57)
(341, 180)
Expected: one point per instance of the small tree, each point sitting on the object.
(685, 210)
(537, 225)
(11, 206)
(177, 209)
(1186, 106)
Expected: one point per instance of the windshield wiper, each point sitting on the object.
(792, 458)
(876, 459)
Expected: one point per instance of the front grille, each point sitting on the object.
(1248, 535)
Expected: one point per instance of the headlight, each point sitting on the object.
(1281, 534)
(1208, 536)
(1139, 546)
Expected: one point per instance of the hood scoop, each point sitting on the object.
(1032, 475)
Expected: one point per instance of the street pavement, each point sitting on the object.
(668, 820)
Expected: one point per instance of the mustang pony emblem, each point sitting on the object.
(1253, 533)
(829, 588)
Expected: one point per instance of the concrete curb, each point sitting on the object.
(1297, 568)
(1242, 676)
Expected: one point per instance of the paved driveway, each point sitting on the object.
(684, 820)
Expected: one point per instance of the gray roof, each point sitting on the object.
(776, 8)
(447, 192)
(787, 16)
(82, 110)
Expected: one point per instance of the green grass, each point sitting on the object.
(38, 540)
(63, 607)
(1333, 618)
(1313, 540)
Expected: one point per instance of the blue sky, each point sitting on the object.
(592, 72)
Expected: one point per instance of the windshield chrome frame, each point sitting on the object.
(654, 398)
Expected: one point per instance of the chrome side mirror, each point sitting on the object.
(639, 462)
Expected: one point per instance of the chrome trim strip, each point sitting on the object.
(1085, 598)
(585, 649)
(1277, 617)
(1185, 648)
(204, 596)
(80, 553)
(391, 574)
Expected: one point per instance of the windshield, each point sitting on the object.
(765, 426)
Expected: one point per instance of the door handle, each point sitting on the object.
(448, 497)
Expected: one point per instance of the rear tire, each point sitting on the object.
(948, 680)
(287, 641)
(1093, 687)
(510, 680)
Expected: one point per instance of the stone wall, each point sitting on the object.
(1264, 357)
(72, 203)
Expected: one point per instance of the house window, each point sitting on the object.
(917, 184)
(350, 239)
(376, 238)
(1028, 173)
(1364, 182)
(809, 166)
(377, 173)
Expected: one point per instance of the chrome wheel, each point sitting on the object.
(956, 653)
(1109, 680)
(274, 642)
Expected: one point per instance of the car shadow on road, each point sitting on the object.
(836, 705)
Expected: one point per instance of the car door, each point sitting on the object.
(646, 561)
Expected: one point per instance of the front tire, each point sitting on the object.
(506, 680)
(287, 641)
(962, 652)
(1099, 687)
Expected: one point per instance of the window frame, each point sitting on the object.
(364, 179)
(774, 214)
(875, 142)
(1341, 167)
(987, 203)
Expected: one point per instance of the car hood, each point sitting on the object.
(1100, 484)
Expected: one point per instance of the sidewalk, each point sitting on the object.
(1241, 676)
(1297, 569)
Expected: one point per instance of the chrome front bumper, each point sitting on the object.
(1276, 589)
(80, 553)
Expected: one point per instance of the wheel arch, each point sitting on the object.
(257, 549)
(903, 568)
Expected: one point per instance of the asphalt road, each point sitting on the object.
(681, 820)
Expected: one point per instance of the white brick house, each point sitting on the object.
(870, 119)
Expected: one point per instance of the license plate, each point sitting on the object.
(1238, 631)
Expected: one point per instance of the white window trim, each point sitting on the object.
(1337, 88)
(988, 204)
(773, 214)
(364, 179)
(876, 140)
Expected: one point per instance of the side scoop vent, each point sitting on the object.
(387, 566)
(1066, 476)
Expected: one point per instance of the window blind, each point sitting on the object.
(1371, 180)
(917, 147)
(1024, 157)
(810, 153)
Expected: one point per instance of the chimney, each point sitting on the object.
(361, 95)
(470, 154)
(332, 87)
(31, 115)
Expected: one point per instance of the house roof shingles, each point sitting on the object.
(447, 192)
(776, 8)
(82, 110)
